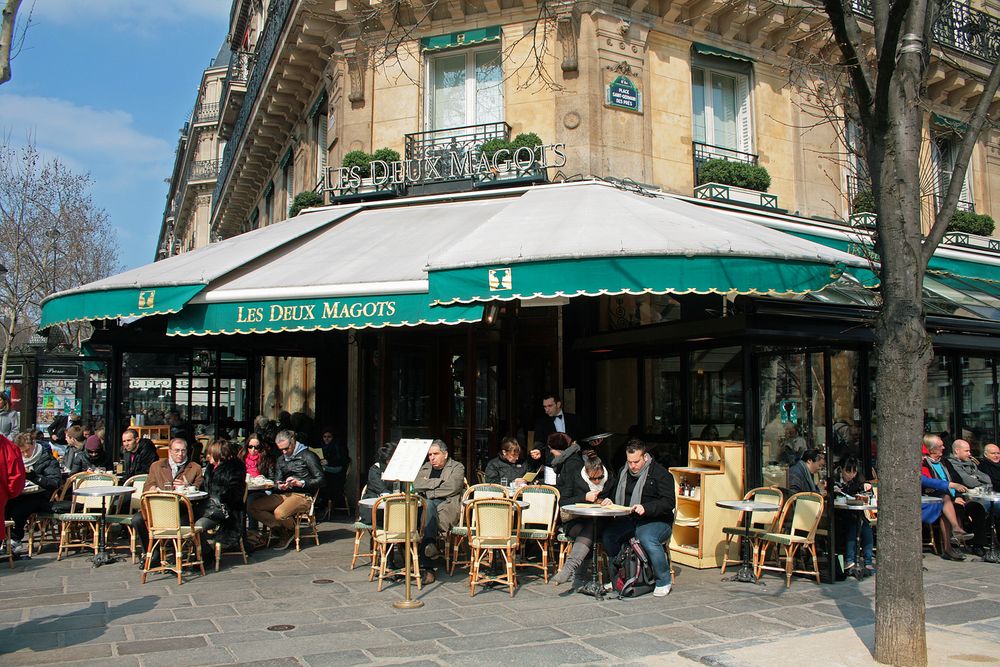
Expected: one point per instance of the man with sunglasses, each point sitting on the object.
(298, 474)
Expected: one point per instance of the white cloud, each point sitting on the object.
(138, 15)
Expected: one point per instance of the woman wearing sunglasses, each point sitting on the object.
(258, 456)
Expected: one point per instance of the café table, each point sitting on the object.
(594, 512)
(859, 509)
(103, 557)
(990, 503)
(29, 487)
(746, 574)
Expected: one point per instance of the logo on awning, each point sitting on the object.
(146, 298)
(500, 280)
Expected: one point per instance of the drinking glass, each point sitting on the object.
(504, 482)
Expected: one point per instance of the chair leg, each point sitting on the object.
(357, 547)
(725, 556)
(473, 569)
(545, 563)
(508, 556)
(298, 528)
(812, 550)
(376, 555)
(218, 555)
(789, 563)
(197, 551)
(312, 523)
(381, 570)
(149, 558)
(415, 562)
(179, 558)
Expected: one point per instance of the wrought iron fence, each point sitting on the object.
(240, 65)
(704, 152)
(453, 145)
(962, 205)
(277, 15)
(958, 26)
(206, 113)
(203, 170)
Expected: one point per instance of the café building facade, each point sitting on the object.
(441, 291)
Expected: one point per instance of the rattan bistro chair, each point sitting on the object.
(308, 520)
(460, 533)
(538, 522)
(163, 520)
(805, 509)
(123, 508)
(362, 528)
(7, 541)
(392, 533)
(760, 522)
(83, 516)
(240, 549)
(493, 526)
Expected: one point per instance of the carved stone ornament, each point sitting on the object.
(356, 66)
(568, 39)
(623, 68)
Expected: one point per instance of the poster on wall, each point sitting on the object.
(55, 397)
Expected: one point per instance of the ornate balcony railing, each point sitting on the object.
(240, 65)
(203, 170)
(962, 204)
(705, 152)
(206, 113)
(960, 27)
(454, 141)
(277, 14)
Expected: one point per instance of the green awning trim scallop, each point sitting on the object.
(114, 303)
(634, 275)
(708, 50)
(457, 39)
(319, 314)
(950, 123)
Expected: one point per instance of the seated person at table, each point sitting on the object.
(225, 482)
(646, 487)
(990, 464)
(935, 482)
(298, 474)
(75, 458)
(258, 456)
(42, 469)
(166, 474)
(97, 458)
(800, 475)
(138, 454)
(507, 465)
(585, 486)
(850, 483)
(376, 486)
(335, 469)
(441, 481)
(962, 468)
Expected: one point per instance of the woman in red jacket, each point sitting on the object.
(12, 476)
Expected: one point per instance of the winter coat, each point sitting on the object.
(12, 476)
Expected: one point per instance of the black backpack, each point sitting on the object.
(632, 575)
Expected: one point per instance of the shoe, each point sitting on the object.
(431, 551)
(869, 571)
(662, 591)
(428, 578)
(18, 548)
(977, 550)
(849, 569)
(608, 586)
(961, 536)
(953, 555)
(284, 539)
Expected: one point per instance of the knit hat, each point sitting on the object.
(93, 444)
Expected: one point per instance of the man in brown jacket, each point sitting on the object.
(441, 481)
(164, 475)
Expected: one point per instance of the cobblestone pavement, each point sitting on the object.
(66, 612)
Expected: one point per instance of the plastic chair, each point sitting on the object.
(392, 532)
(760, 522)
(460, 533)
(805, 509)
(492, 523)
(360, 529)
(84, 513)
(538, 522)
(163, 520)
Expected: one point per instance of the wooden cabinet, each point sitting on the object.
(154, 433)
(714, 472)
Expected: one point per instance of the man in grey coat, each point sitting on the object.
(441, 481)
(962, 468)
(800, 475)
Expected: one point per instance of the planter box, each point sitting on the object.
(972, 241)
(513, 176)
(367, 191)
(863, 220)
(735, 195)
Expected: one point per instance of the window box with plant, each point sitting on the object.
(510, 165)
(974, 230)
(359, 183)
(303, 200)
(736, 183)
(863, 210)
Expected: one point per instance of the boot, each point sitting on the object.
(576, 558)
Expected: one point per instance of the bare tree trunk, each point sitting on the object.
(7, 38)
(6, 348)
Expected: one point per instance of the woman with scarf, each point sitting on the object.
(41, 469)
(648, 489)
(258, 456)
(586, 486)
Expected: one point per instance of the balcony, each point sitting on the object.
(205, 113)
(234, 86)
(449, 147)
(202, 170)
(705, 152)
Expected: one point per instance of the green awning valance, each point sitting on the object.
(319, 105)
(708, 50)
(950, 123)
(634, 275)
(287, 158)
(114, 303)
(457, 39)
(319, 314)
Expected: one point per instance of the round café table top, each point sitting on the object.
(931, 500)
(595, 511)
(748, 505)
(843, 505)
(98, 491)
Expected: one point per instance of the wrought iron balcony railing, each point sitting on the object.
(855, 185)
(705, 152)
(454, 143)
(240, 65)
(206, 113)
(960, 27)
(962, 205)
(277, 15)
(203, 170)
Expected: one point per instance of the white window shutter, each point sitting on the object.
(320, 147)
(745, 121)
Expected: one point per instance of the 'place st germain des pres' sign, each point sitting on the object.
(622, 94)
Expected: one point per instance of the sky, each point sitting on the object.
(105, 86)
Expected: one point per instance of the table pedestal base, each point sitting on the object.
(593, 589)
(745, 575)
(104, 558)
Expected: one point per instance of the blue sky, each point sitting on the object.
(106, 85)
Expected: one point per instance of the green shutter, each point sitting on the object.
(457, 39)
(707, 50)
(288, 158)
(319, 105)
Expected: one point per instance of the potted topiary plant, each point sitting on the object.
(737, 182)
(972, 223)
(506, 170)
(305, 199)
(371, 186)
(863, 209)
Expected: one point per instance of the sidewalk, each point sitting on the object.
(68, 613)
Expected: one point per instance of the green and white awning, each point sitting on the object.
(591, 238)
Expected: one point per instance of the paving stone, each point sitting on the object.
(94, 636)
(414, 618)
(120, 661)
(649, 619)
(744, 605)
(691, 613)
(151, 616)
(58, 655)
(800, 617)
(578, 612)
(230, 638)
(503, 640)
(209, 655)
(561, 653)
(480, 625)
(633, 645)
(965, 612)
(55, 622)
(424, 631)
(24, 601)
(336, 658)
(262, 621)
(328, 628)
(683, 636)
(30, 592)
(155, 645)
(34, 641)
(744, 626)
(267, 649)
(211, 611)
(407, 649)
(279, 662)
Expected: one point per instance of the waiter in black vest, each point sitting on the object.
(554, 421)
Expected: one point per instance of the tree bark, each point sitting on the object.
(7, 37)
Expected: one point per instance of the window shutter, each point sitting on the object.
(320, 147)
(745, 120)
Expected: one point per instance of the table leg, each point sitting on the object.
(992, 555)
(593, 588)
(745, 574)
(103, 557)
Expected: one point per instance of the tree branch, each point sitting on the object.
(887, 56)
(850, 40)
(980, 116)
